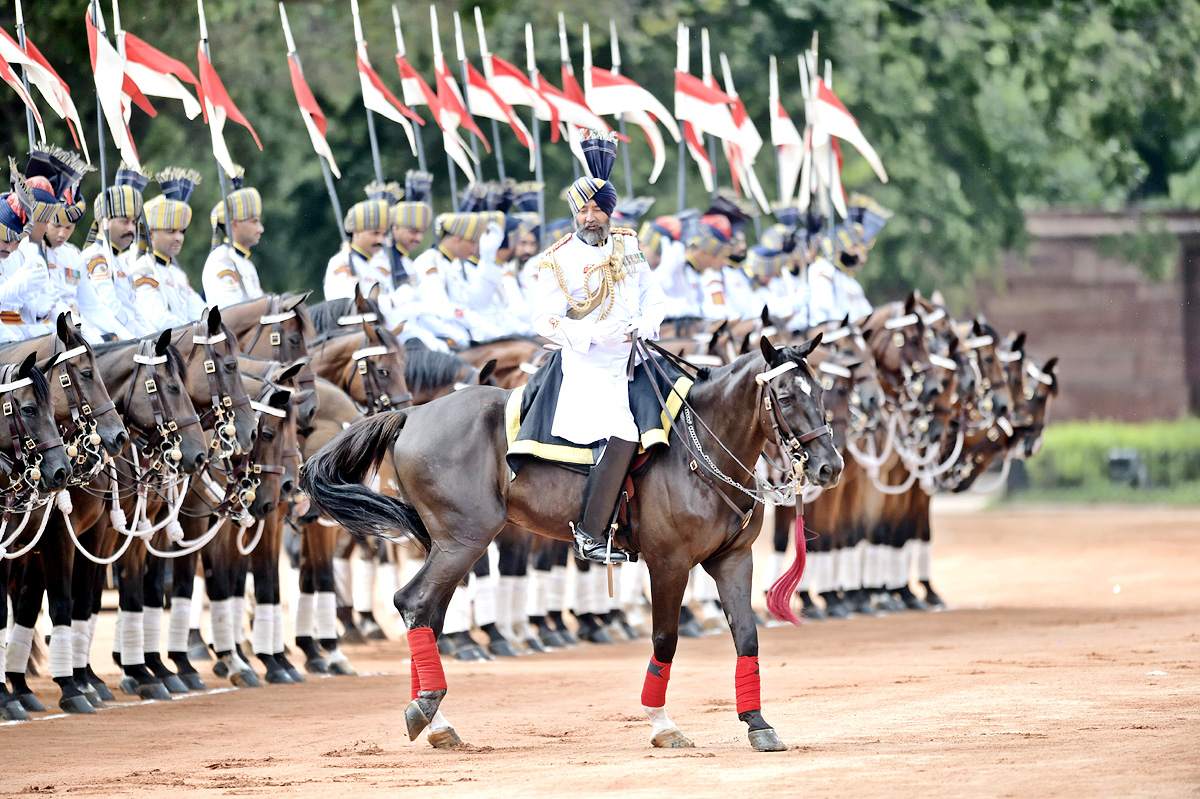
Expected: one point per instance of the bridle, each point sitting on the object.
(160, 447)
(374, 391)
(223, 406)
(23, 466)
(274, 318)
(83, 443)
(246, 474)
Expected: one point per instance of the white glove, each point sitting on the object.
(609, 332)
(643, 328)
(490, 241)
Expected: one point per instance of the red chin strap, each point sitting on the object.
(654, 689)
(426, 671)
(746, 682)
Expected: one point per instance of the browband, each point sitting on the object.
(701, 359)
(149, 360)
(67, 355)
(834, 369)
(367, 352)
(901, 321)
(936, 316)
(835, 335)
(978, 341)
(217, 339)
(528, 368)
(357, 319)
(267, 409)
(945, 363)
(271, 319)
(762, 378)
(1011, 356)
(1038, 375)
(14, 385)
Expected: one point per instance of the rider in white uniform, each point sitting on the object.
(594, 294)
(160, 285)
(229, 275)
(113, 245)
(355, 265)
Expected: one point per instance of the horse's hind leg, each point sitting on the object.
(733, 573)
(667, 584)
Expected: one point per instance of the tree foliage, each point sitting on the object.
(979, 109)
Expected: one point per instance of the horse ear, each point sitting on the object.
(910, 304)
(1018, 344)
(712, 342)
(27, 365)
(766, 317)
(953, 342)
(807, 347)
(288, 373)
(1050, 364)
(292, 303)
(214, 321)
(770, 354)
(845, 321)
(64, 329)
(866, 334)
(360, 302)
(164, 341)
(373, 294)
(279, 398)
(486, 372)
(976, 328)
(398, 329)
(745, 344)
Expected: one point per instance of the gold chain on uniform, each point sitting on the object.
(604, 293)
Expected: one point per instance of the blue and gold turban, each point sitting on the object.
(765, 262)
(51, 185)
(170, 210)
(244, 202)
(12, 218)
(600, 153)
(711, 236)
(468, 226)
(368, 215)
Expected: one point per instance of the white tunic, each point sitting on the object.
(461, 295)
(26, 294)
(163, 292)
(593, 403)
(230, 277)
(739, 294)
(834, 293)
(108, 271)
(75, 293)
(350, 267)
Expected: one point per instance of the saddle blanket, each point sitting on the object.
(529, 414)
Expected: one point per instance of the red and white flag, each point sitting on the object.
(43, 77)
(515, 88)
(63, 92)
(378, 98)
(695, 147)
(314, 117)
(832, 117)
(108, 69)
(743, 153)
(821, 173)
(218, 107)
(485, 102)
(451, 101)
(414, 88)
(789, 146)
(159, 75)
(609, 93)
(706, 107)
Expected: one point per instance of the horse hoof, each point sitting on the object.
(279, 677)
(692, 629)
(502, 648)
(153, 690)
(552, 640)
(102, 690)
(30, 702)
(471, 653)
(534, 644)
(352, 635)
(221, 669)
(766, 741)
(444, 739)
(445, 645)
(568, 637)
(316, 666)
(631, 633)
(76, 704)
(373, 632)
(415, 720)
(670, 739)
(193, 682)
(246, 679)
(13, 711)
(598, 635)
(174, 685)
(94, 699)
(295, 674)
(342, 668)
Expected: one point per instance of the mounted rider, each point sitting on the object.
(595, 294)
(834, 291)
(412, 215)
(355, 263)
(229, 275)
(114, 243)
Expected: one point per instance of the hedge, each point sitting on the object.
(1075, 454)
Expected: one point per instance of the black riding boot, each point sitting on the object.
(600, 497)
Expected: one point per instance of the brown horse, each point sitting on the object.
(450, 461)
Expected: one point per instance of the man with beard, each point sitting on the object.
(594, 295)
(110, 252)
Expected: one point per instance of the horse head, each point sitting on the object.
(29, 434)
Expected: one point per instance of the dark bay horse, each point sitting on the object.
(451, 468)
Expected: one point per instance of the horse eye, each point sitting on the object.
(231, 366)
(383, 372)
(172, 388)
(87, 374)
(30, 409)
(296, 339)
(268, 435)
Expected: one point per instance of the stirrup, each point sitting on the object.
(587, 548)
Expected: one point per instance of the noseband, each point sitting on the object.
(83, 443)
(23, 465)
(222, 402)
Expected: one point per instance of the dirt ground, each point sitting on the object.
(1069, 666)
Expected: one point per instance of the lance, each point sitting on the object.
(466, 87)
(616, 69)
(333, 198)
(487, 67)
(832, 162)
(531, 67)
(361, 43)
(706, 74)
(564, 56)
(220, 169)
(438, 60)
(25, 74)
(773, 102)
(681, 65)
(400, 51)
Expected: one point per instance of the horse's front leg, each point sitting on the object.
(667, 584)
(734, 576)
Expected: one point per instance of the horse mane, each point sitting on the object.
(324, 317)
(429, 369)
(41, 386)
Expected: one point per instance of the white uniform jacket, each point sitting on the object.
(834, 293)
(351, 267)
(26, 294)
(163, 293)
(230, 277)
(593, 403)
(460, 294)
(75, 293)
(108, 270)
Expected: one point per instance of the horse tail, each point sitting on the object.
(333, 480)
(779, 595)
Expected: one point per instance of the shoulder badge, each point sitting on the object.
(98, 267)
(145, 280)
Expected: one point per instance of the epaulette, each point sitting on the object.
(560, 242)
(145, 281)
(624, 231)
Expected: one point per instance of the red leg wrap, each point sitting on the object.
(426, 662)
(414, 677)
(654, 689)
(747, 685)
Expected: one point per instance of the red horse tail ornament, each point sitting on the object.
(779, 595)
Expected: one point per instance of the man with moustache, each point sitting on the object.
(160, 285)
(110, 251)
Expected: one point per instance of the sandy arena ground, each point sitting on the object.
(1070, 667)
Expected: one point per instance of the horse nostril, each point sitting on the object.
(60, 477)
(198, 461)
(267, 508)
(287, 489)
(253, 436)
(120, 440)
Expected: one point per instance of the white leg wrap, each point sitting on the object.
(849, 577)
(909, 557)
(658, 717)
(704, 587)
(924, 560)
(306, 608)
(389, 584)
(177, 627)
(633, 583)
(535, 593)
(133, 647)
(95, 617)
(19, 645)
(62, 650)
(813, 567)
(897, 560)
(458, 614)
(438, 722)
(518, 611)
(197, 609)
(871, 576)
(80, 643)
(3, 643)
(342, 580)
(806, 579)
(221, 612)
(775, 566)
(556, 588)
(263, 631)
(117, 635)
(504, 605)
(237, 611)
(363, 584)
(485, 600)
(599, 577)
(326, 615)
(277, 643)
(152, 630)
